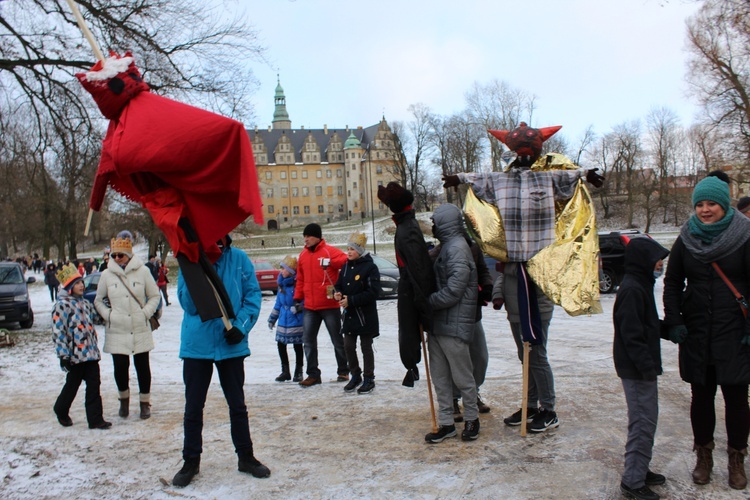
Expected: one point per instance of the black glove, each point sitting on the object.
(497, 304)
(233, 336)
(485, 294)
(593, 178)
(65, 364)
(678, 333)
(451, 181)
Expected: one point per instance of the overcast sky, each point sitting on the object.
(588, 62)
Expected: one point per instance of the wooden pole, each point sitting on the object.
(525, 384)
(429, 380)
(99, 55)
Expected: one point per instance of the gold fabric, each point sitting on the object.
(567, 271)
(485, 226)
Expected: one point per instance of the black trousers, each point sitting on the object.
(89, 372)
(299, 355)
(197, 373)
(703, 412)
(121, 363)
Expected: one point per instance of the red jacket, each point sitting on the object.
(312, 280)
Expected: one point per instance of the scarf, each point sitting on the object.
(707, 244)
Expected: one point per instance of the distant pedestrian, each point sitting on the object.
(263, 244)
(50, 279)
(293, 245)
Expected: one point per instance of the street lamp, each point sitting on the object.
(372, 200)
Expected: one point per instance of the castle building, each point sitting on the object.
(321, 175)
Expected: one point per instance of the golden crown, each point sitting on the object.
(67, 274)
(121, 245)
(358, 239)
(290, 262)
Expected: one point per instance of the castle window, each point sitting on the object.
(307, 209)
(269, 176)
(293, 173)
(295, 210)
(318, 190)
(284, 192)
(282, 174)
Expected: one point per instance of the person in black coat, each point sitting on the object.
(637, 357)
(706, 320)
(357, 291)
(416, 278)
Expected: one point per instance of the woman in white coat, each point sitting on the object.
(126, 297)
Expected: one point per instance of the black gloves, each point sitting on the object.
(497, 304)
(485, 294)
(233, 336)
(678, 333)
(65, 364)
(593, 178)
(451, 181)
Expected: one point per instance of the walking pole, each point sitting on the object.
(525, 384)
(429, 380)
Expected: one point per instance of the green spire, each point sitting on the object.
(280, 114)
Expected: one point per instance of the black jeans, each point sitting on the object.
(197, 373)
(121, 364)
(368, 358)
(703, 412)
(87, 371)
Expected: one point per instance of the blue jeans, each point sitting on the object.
(311, 327)
(197, 373)
(541, 382)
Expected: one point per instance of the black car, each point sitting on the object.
(389, 276)
(90, 283)
(612, 258)
(15, 306)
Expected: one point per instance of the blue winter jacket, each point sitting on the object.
(199, 340)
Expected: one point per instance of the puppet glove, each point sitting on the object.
(678, 333)
(233, 336)
(593, 178)
(450, 181)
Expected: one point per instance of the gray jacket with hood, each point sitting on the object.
(455, 301)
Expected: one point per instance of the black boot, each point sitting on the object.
(124, 407)
(248, 463)
(190, 468)
(297, 374)
(284, 375)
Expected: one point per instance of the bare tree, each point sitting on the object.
(662, 131)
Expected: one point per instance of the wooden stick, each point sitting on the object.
(429, 380)
(224, 318)
(88, 222)
(85, 29)
(525, 385)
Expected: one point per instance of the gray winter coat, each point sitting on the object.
(455, 301)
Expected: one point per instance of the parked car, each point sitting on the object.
(15, 306)
(267, 276)
(90, 283)
(612, 257)
(389, 276)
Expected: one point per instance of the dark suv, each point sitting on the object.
(15, 306)
(612, 255)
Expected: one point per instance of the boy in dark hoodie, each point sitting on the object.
(637, 357)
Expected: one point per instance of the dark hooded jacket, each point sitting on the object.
(455, 301)
(359, 280)
(637, 349)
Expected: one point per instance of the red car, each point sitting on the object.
(267, 276)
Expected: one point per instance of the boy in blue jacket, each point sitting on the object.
(637, 357)
(205, 344)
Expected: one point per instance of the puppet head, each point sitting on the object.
(112, 83)
(396, 197)
(525, 141)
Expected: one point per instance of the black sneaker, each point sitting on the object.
(471, 430)
(367, 386)
(654, 479)
(544, 420)
(445, 431)
(190, 468)
(457, 417)
(353, 383)
(642, 493)
(483, 408)
(515, 419)
(251, 465)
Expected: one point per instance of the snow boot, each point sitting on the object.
(737, 477)
(704, 463)
(248, 463)
(284, 376)
(145, 400)
(124, 404)
(190, 468)
(297, 374)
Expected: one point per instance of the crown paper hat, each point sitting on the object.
(524, 140)
(68, 275)
(122, 245)
(357, 241)
(290, 264)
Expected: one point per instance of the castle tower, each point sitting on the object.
(280, 116)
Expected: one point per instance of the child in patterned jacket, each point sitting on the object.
(73, 319)
(290, 319)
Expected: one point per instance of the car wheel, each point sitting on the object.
(608, 283)
(29, 322)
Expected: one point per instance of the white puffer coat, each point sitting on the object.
(127, 329)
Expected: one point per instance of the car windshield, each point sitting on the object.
(10, 275)
(263, 266)
(383, 263)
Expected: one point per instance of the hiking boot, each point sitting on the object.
(737, 477)
(342, 377)
(124, 407)
(353, 383)
(654, 479)
(310, 381)
(703, 464)
(367, 386)
(64, 421)
(515, 419)
(544, 420)
(145, 410)
(445, 431)
(642, 493)
(457, 417)
(252, 466)
(483, 408)
(297, 374)
(101, 425)
(190, 468)
(471, 430)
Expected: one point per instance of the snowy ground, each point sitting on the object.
(322, 443)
